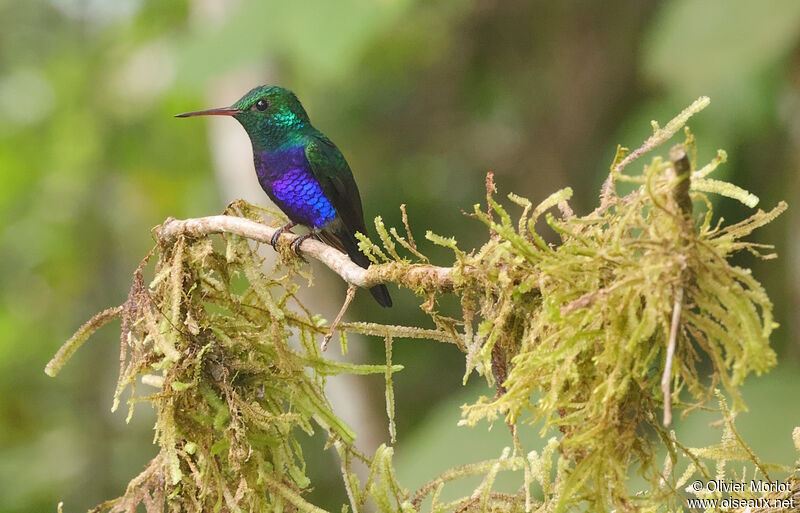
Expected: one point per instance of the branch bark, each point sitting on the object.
(407, 275)
(681, 169)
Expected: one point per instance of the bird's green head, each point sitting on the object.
(269, 114)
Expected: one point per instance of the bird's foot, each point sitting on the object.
(299, 240)
(275, 236)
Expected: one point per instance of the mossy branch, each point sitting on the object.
(585, 340)
(411, 276)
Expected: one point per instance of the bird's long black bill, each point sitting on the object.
(222, 111)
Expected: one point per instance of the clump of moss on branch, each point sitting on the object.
(575, 338)
(583, 327)
(575, 335)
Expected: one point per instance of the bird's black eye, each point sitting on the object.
(262, 105)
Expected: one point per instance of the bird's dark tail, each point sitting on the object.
(348, 242)
(381, 295)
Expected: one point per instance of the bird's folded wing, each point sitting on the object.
(336, 179)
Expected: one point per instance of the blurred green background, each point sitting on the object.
(423, 98)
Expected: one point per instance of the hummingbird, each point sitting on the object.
(301, 171)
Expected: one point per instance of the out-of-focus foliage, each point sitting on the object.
(423, 98)
(742, 48)
(575, 336)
